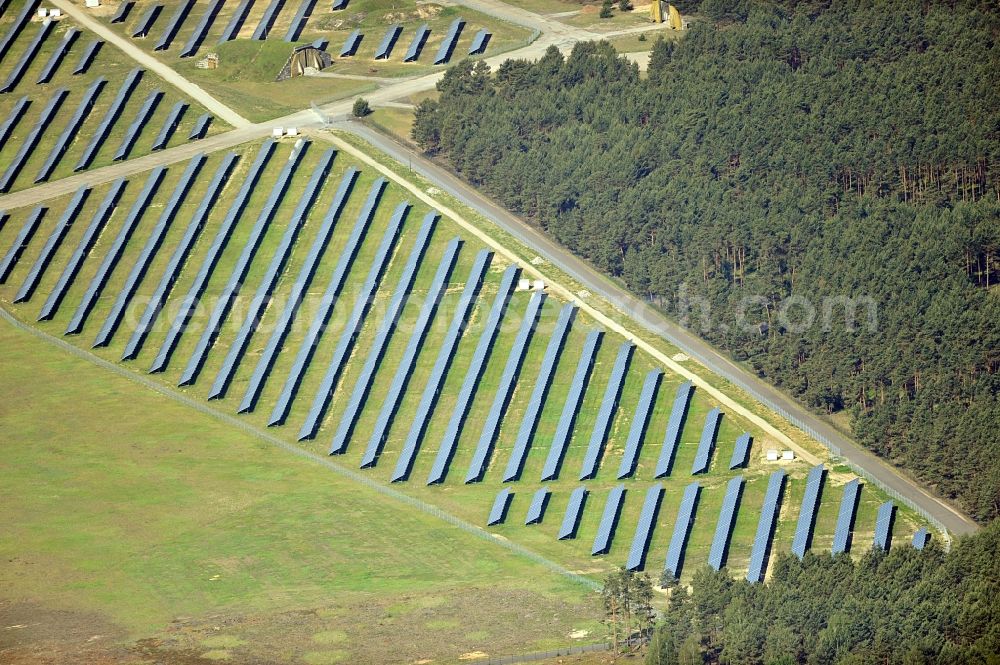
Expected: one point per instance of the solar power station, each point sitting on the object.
(609, 521)
(724, 526)
(637, 431)
(644, 528)
(845, 517)
(707, 443)
(765, 526)
(807, 513)
(672, 438)
(682, 527)
(498, 513)
(883, 525)
(574, 510)
(607, 410)
(538, 504)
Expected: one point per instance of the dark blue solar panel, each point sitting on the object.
(388, 41)
(20, 243)
(499, 511)
(124, 9)
(571, 520)
(326, 304)
(187, 305)
(537, 508)
(479, 42)
(52, 244)
(417, 45)
(70, 130)
(137, 125)
(265, 288)
(384, 333)
(306, 273)
(57, 56)
(553, 461)
(644, 528)
(20, 21)
(232, 29)
(637, 431)
(170, 125)
(114, 253)
(200, 127)
(682, 527)
(27, 57)
(87, 241)
(201, 29)
(146, 22)
(502, 396)
(432, 389)
(339, 4)
(173, 268)
(87, 58)
(883, 525)
(741, 451)
(921, 538)
(110, 118)
(475, 371)
(355, 320)
(707, 443)
(807, 514)
(13, 118)
(149, 251)
(724, 527)
(448, 45)
(607, 411)
(536, 401)
(672, 437)
(167, 38)
(351, 44)
(299, 20)
(267, 20)
(609, 520)
(30, 141)
(845, 517)
(765, 526)
(239, 272)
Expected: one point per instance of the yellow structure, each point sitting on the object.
(656, 11)
(675, 18)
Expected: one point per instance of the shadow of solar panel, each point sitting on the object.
(765, 526)
(574, 511)
(84, 246)
(644, 528)
(177, 259)
(239, 272)
(741, 452)
(571, 407)
(719, 551)
(390, 401)
(3, 219)
(475, 371)
(137, 125)
(325, 306)
(194, 42)
(707, 443)
(55, 239)
(32, 139)
(100, 279)
(428, 398)
(883, 525)
(807, 513)
(306, 273)
(124, 9)
(152, 246)
(921, 538)
(536, 511)
(187, 305)
(845, 517)
(609, 521)
(302, 14)
(388, 41)
(21, 242)
(448, 45)
(321, 44)
(267, 20)
(382, 336)
(13, 118)
(640, 421)
(232, 29)
(355, 320)
(87, 58)
(417, 45)
(20, 21)
(351, 44)
(609, 403)
(265, 288)
(682, 528)
(170, 124)
(71, 129)
(200, 127)
(501, 399)
(17, 73)
(675, 425)
(58, 55)
(536, 401)
(480, 42)
(146, 22)
(498, 513)
(181, 13)
(110, 118)
(339, 4)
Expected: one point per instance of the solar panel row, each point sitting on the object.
(609, 520)
(351, 44)
(27, 57)
(571, 520)
(501, 397)
(807, 514)
(538, 504)
(682, 527)
(574, 397)
(21, 242)
(428, 397)
(267, 20)
(71, 129)
(87, 57)
(388, 41)
(180, 14)
(13, 118)
(724, 527)
(299, 20)
(883, 525)
(69, 37)
(448, 45)
(200, 127)
(62, 227)
(479, 358)
(146, 22)
(201, 29)
(644, 527)
(609, 403)
(417, 45)
(921, 538)
(123, 12)
(138, 123)
(765, 526)
(498, 513)
(20, 21)
(845, 516)
(306, 273)
(339, 4)
(707, 443)
(110, 118)
(236, 21)
(479, 42)
(741, 451)
(186, 306)
(672, 437)
(640, 420)
(32, 139)
(170, 124)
